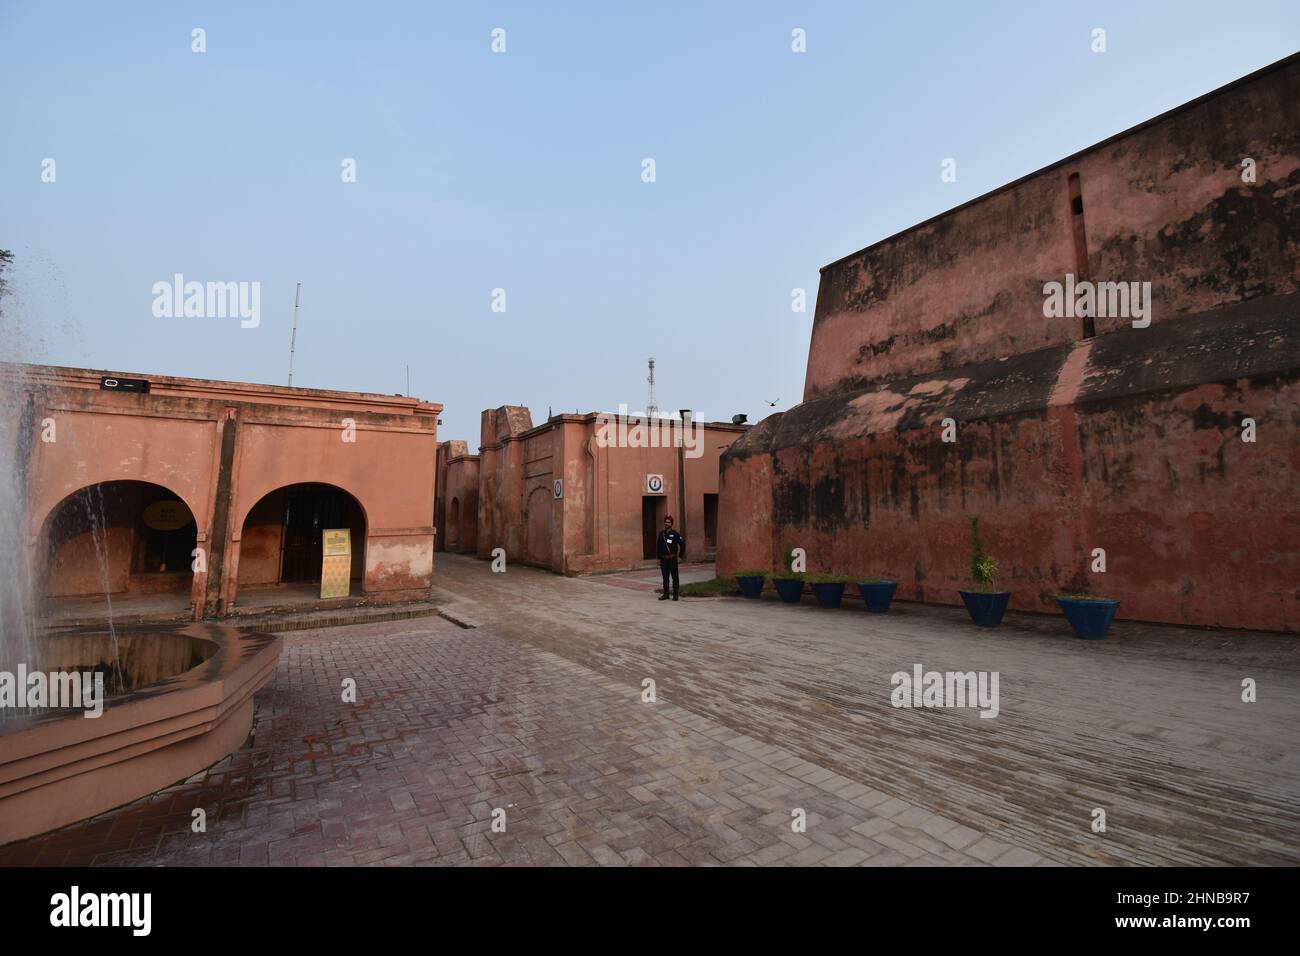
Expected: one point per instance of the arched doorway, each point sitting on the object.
(453, 525)
(129, 541)
(537, 528)
(281, 540)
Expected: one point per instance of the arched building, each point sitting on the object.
(456, 503)
(213, 491)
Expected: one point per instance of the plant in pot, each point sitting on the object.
(789, 583)
(1088, 614)
(877, 593)
(984, 601)
(828, 589)
(751, 582)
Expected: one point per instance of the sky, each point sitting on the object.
(524, 171)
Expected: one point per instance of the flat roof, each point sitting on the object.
(179, 385)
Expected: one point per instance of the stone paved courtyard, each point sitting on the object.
(762, 708)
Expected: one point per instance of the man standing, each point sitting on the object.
(671, 548)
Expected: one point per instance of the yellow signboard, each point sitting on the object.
(167, 515)
(337, 541)
(336, 563)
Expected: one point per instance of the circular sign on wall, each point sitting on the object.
(654, 484)
(557, 488)
(167, 515)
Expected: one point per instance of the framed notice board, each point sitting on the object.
(336, 562)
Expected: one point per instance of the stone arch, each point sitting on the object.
(280, 534)
(537, 527)
(453, 525)
(119, 536)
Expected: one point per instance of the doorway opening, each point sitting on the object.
(284, 531)
(653, 510)
(453, 526)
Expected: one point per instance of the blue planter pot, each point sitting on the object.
(986, 608)
(828, 594)
(751, 585)
(1089, 618)
(877, 594)
(788, 589)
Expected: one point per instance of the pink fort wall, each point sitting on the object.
(1129, 441)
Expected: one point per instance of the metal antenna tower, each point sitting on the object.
(293, 339)
(651, 403)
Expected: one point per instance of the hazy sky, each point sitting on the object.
(523, 171)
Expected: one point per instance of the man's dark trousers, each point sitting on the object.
(666, 568)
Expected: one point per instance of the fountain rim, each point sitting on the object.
(233, 646)
(59, 768)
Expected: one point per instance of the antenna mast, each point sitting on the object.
(293, 339)
(651, 403)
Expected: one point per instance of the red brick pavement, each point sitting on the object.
(451, 724)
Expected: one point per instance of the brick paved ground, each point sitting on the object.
(451, 724)
(762, 708)
(651, 579)
(1148, 724)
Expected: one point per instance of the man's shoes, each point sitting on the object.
(674, 597)
(664, 596)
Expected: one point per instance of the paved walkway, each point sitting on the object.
(1148, 725)
(453, 726)
(643, 579)
(762, 710)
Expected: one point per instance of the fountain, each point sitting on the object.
(16, 602)
(94, 717)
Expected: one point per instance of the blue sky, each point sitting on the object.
(522, 171)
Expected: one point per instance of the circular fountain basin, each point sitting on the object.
(178, 698)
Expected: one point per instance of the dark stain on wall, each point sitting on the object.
(220, 531)
(827, 503)
(1253, 339)
(876, 348)
(1226, 247)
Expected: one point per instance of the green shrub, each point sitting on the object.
(752, 573)
(786, 573)
(1082, 596)
(983, 567)
(711, 588)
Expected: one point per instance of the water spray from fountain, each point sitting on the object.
(17, 601)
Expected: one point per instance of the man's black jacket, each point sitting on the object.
(670, 544)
